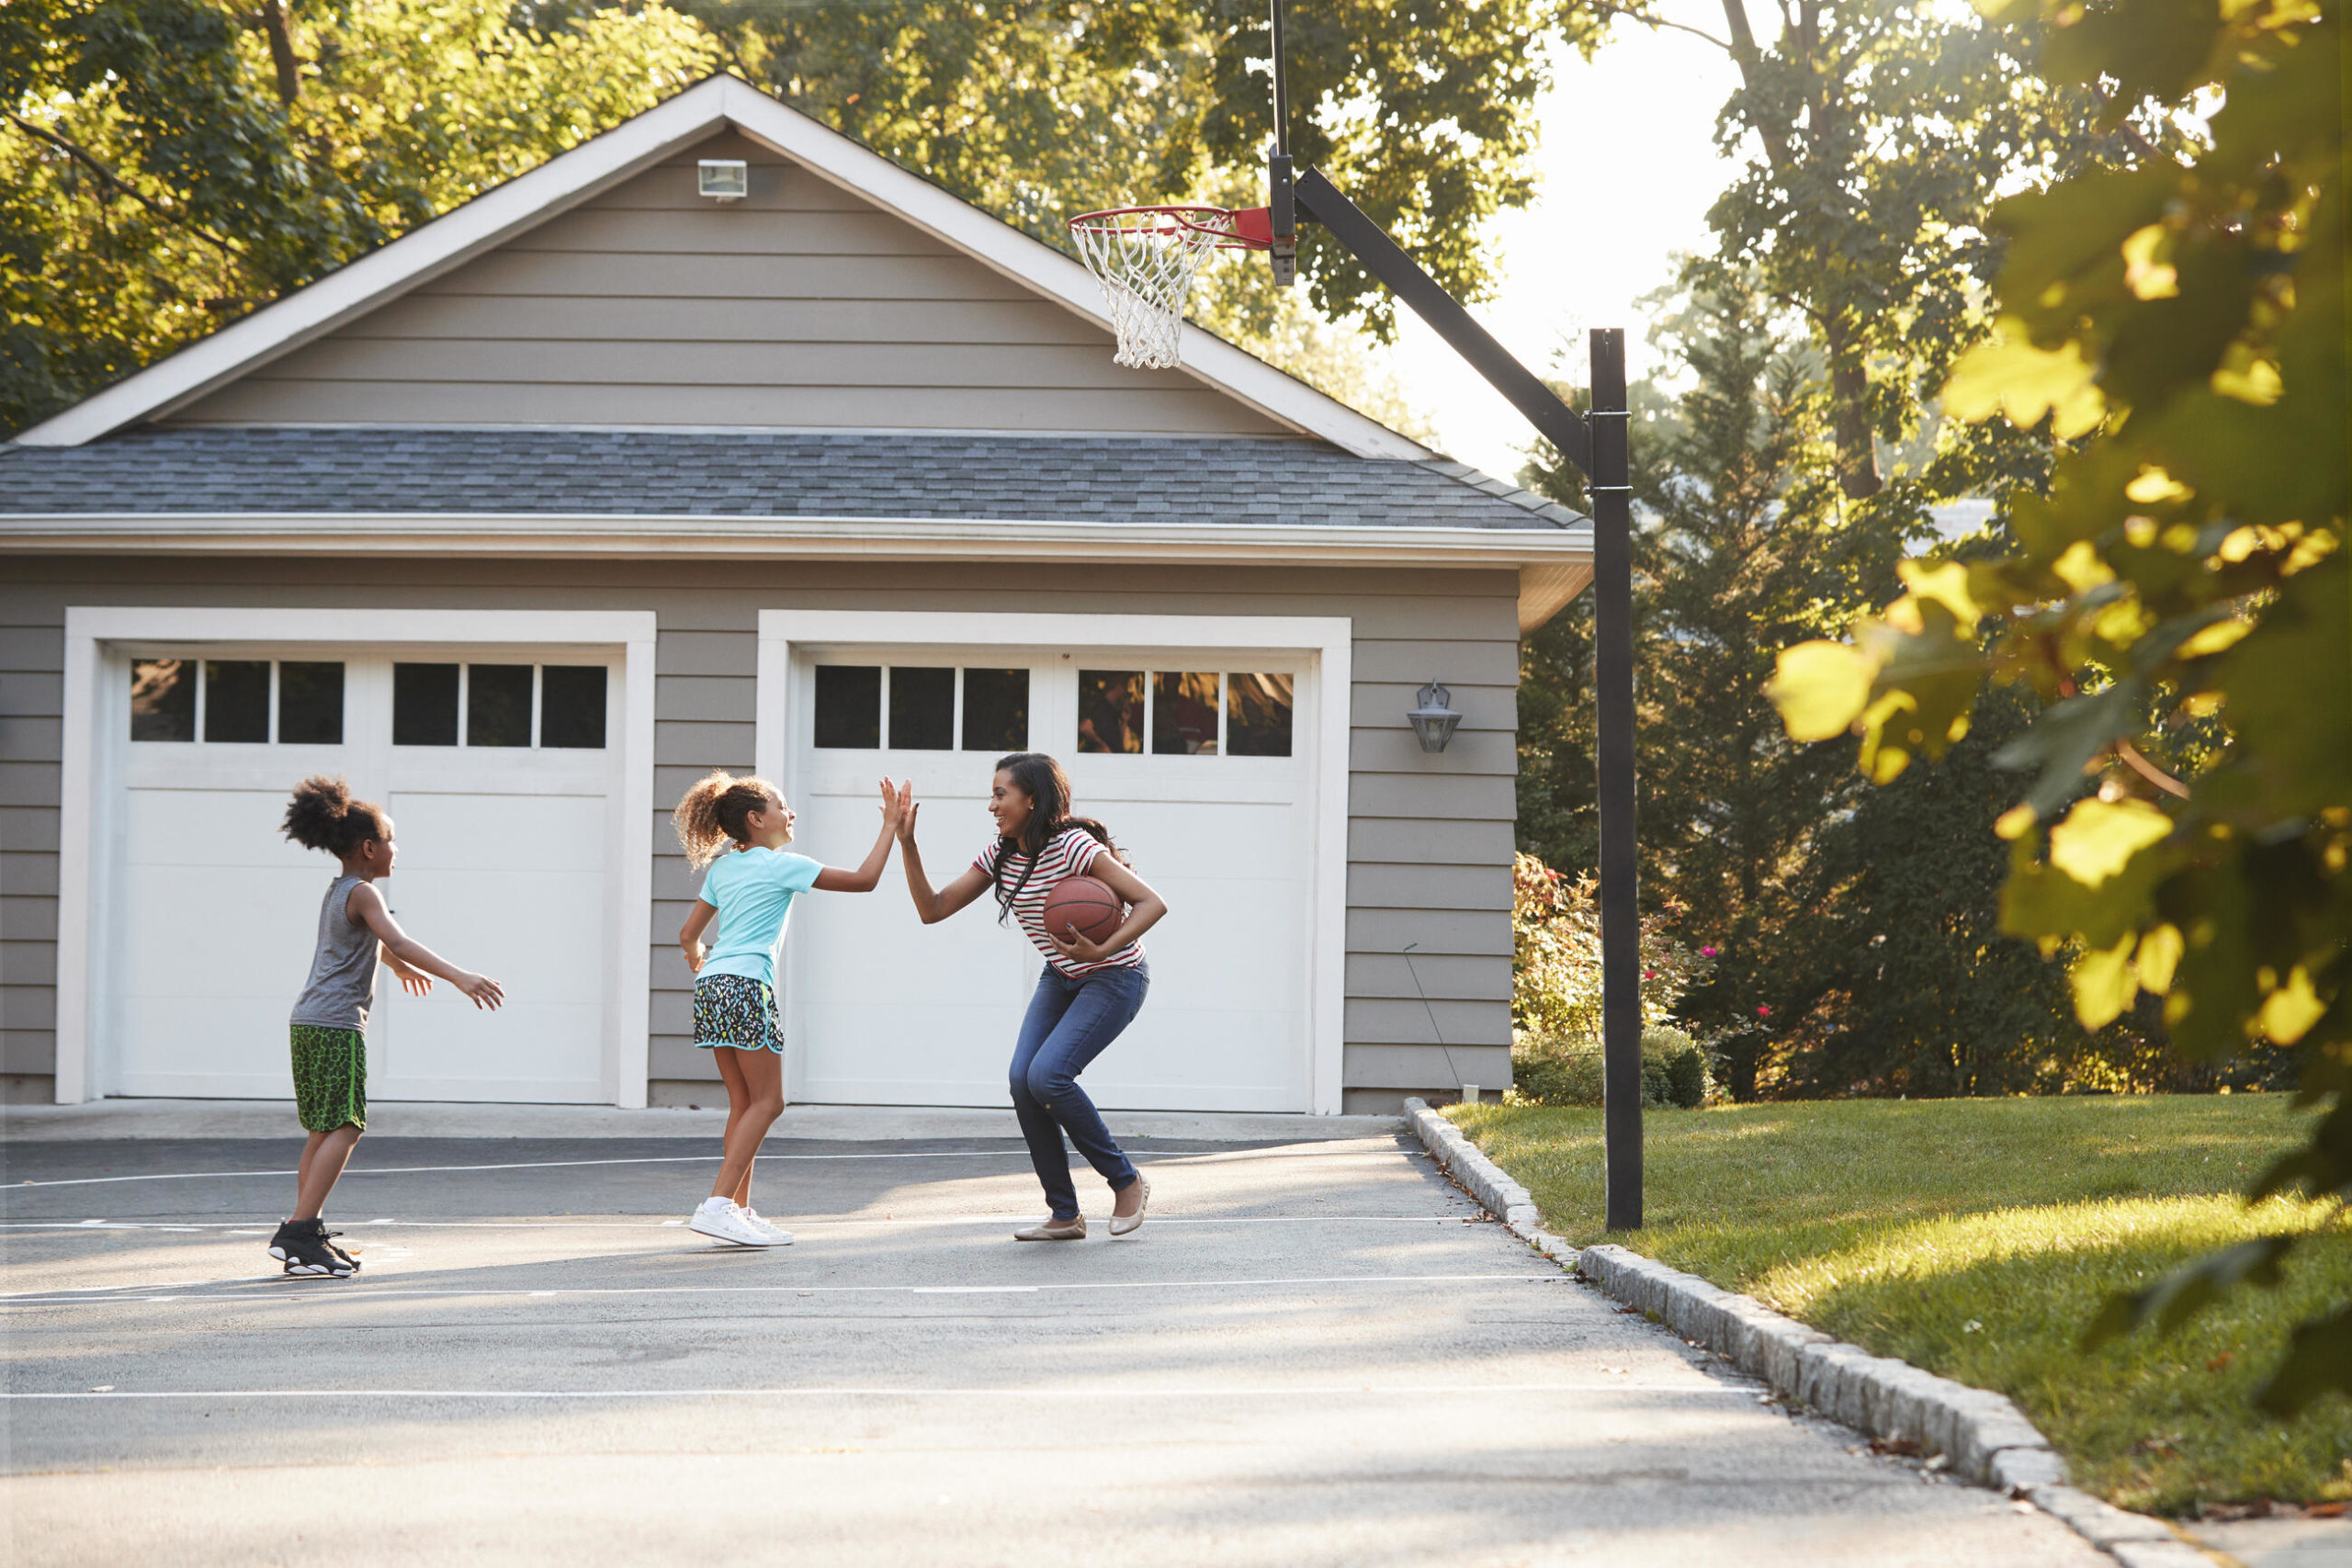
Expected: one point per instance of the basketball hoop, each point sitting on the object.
(1144, 257)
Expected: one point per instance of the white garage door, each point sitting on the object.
(501, 772)
(1198, 763)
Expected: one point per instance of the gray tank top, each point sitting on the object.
(343, 971)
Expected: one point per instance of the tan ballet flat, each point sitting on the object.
(1126, 1225)
(1054, 1230)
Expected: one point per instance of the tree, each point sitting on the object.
(2180, 596)
(1040, 109)
(167, 166)
(1885, 129)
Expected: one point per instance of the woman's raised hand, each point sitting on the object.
(907, 805)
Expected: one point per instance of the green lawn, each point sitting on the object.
(1976, 1239)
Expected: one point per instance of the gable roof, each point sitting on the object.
(597, 164)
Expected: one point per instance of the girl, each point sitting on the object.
(737, 827)
(329, 1025)
(1088, 992)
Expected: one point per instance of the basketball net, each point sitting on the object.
(1146, 258)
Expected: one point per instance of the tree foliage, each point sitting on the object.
(167, 166)
(2179, 597)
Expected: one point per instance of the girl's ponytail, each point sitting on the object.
(716, 812)
(322, 816)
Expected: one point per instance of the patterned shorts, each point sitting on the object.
(734, 1010)
(330, 1078)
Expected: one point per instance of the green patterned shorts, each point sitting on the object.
(330, 1078)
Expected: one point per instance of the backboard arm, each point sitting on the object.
(1566, 429)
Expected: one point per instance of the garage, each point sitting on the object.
(1202, 759)
(502, 766)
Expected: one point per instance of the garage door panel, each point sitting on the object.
(906, 1052)
(220, 932)
(242, 1036)
(496, 832)
(214, 827)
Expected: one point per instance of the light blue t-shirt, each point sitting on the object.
(753, 891)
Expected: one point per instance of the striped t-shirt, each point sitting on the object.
(1068, 853)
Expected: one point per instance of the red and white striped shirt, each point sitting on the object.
(1070, 852)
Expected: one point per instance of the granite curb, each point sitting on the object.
(1981, 1435)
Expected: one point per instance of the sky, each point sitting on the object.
(1613, 207)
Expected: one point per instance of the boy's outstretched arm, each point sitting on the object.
(832, 879)
(368, 907)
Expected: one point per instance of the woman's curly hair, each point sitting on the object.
(714, 812)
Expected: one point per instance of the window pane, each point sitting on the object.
(310, 703)
(1110, 710)
(996, 710)
(849, 706)
(498, 705)
(571, 705)
(162, 699)
(1183, 713)
(424, 704)
(923, 709)
(1257, 716)
(236, 700)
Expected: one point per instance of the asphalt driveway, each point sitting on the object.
(1314, 1352)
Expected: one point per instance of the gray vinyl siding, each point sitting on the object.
(801, 307)
(1428, 835)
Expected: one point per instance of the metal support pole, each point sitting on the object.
(1612, 635)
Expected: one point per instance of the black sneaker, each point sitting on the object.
(277, 1240)
(336, 1250)
(303, 1245)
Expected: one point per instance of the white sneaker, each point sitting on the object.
(780, 1236)
(719, 1218)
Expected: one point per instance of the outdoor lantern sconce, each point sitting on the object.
(1435, 719)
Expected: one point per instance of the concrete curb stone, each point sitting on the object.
(1984, 1437)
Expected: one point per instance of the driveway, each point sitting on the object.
(1314, 1352)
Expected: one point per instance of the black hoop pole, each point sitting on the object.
(1282, 89)
(1612, 637)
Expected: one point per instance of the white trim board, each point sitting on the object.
(89, 628)
(1328, 640)
(604, 161)
(1554, 564)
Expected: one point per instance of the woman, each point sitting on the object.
(1088, 992)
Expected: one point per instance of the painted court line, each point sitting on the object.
(1151, 1156)
(1119, 1392)
(345, 1289)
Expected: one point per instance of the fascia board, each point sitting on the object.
(367, 282)
(833, 537)
(1027, 261)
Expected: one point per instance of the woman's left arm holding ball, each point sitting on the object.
(1144, 909)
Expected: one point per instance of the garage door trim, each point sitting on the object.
(90, 628)
(1328, 641)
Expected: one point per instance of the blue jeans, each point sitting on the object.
(1068, 1024)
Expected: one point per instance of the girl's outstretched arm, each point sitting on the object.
(933, 906)
(1144, 909)
(832, 879)
(367, 906)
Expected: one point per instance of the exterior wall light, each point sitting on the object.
(723, 179)
(1435, 719)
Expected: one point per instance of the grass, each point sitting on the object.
(1976, 1239)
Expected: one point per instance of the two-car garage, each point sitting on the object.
(515, 754)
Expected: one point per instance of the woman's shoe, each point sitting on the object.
(782, 1237)
(722, 1221)
(1071, 1229)
(1126, 1225)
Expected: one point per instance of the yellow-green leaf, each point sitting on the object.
(2005, 374)
(2104, 984)
(1821, 688)
(2098, 838)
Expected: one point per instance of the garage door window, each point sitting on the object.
(921, 707)
(1186, 713)
(499, 705)
(237, 701)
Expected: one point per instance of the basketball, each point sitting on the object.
(1083, 906)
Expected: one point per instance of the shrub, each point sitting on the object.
(1558, 1070)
